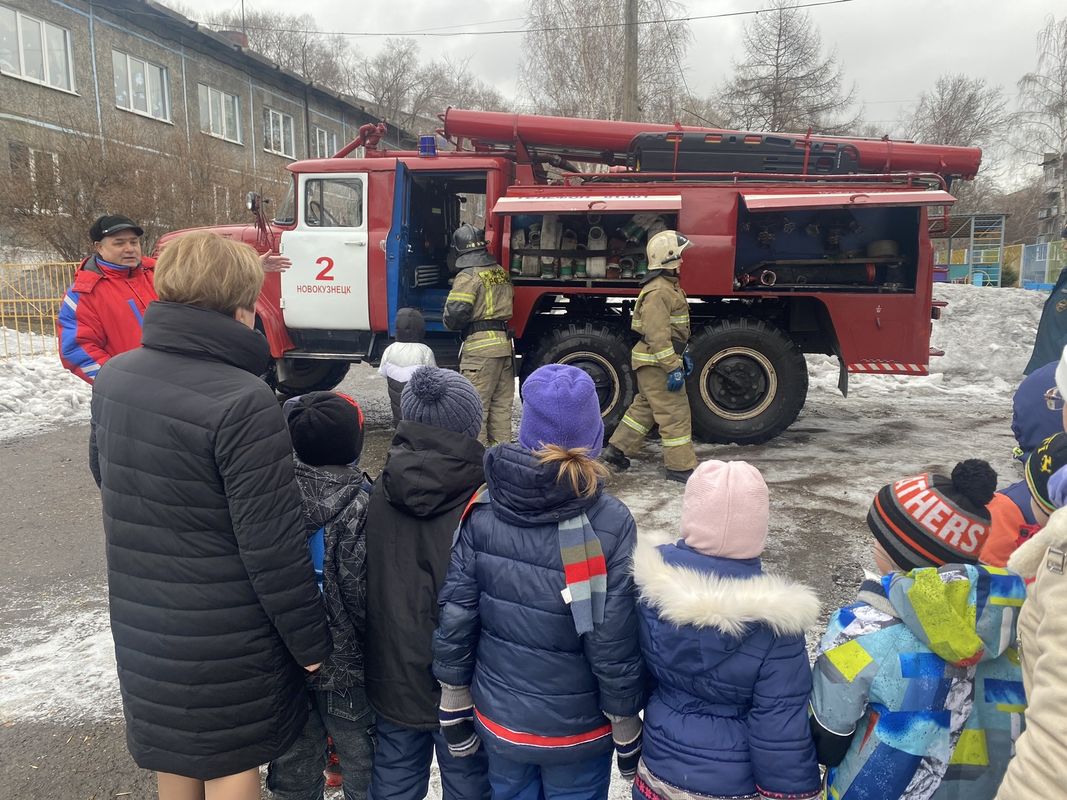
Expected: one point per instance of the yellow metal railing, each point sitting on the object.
(30, 295)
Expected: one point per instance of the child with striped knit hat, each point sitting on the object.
(917, 687)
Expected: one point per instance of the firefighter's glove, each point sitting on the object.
(687, 363)
(456, 715)
(675, 380)
(626, 733)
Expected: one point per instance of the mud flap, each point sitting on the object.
(842, 378)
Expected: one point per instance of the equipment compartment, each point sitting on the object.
(581, 247)
(822, 249)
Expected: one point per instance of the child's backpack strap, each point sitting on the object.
(480, 497)
(317, 551)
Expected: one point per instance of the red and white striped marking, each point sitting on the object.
(889, 368)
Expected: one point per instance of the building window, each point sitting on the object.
(325, 143)
(278, 133)
(35, 50)
(140, 87)
(220, 114)
(220, 197)
(40, 171)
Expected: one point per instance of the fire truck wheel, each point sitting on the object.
(748, 384)
(311, 375)
(602, 351)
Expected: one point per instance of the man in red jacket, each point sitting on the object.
(102, 311)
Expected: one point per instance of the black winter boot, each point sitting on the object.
(679, 475)
(614, 458)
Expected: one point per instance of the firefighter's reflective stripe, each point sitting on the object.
(679, 319)
(678, 441)
(460, 297)
(489, 339)
(651, 358)
(630, 422)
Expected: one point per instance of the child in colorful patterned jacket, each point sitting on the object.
(917, 687)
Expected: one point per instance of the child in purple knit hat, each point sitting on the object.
(537, 649)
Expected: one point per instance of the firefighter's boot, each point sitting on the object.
(679, 475)
(614, 458)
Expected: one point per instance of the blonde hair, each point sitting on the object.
(576, 465)
(206, 270)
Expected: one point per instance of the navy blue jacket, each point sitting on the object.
(725, 645)
(1031, 420)
(540, 690)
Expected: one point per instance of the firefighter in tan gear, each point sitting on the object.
(479, 307)
(661, 319)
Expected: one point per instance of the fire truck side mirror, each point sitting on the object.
(253, 201)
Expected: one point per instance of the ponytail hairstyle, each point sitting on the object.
(576, 465)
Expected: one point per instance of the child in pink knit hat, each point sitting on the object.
(725, 643)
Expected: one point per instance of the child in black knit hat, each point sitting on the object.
(327, 433)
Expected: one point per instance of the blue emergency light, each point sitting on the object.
(428, 145)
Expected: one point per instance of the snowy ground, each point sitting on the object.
(56, 661)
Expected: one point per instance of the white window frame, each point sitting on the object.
(36, 161)
(21, 55)
(325, 142)
(220, 193)
(164, 87)
(221, 132)
(278, 117)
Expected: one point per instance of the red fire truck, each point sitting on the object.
(801, 244)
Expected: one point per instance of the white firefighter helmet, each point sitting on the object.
(664, 250)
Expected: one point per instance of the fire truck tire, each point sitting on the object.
(602, 351)
(311, 375)
(748, 384)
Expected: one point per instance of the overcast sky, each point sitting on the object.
(891, 49)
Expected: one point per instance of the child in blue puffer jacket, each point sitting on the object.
(725, 644)
(536, 649)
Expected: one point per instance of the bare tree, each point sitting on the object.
(1022, 207)
(572, 61)
(960, 111)
(59, 186)
(294, 42)
(405, 90)
(1042, 118)
(785, 82)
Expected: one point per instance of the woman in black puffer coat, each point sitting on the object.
(214, 607)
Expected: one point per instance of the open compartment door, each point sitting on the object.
(874, 198)
(588, 204)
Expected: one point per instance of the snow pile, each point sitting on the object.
(36, 393)
(64, 673)
(987, 335)
(24, 344)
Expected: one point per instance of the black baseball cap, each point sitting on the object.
(110, 224)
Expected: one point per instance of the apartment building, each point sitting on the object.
(138, 77)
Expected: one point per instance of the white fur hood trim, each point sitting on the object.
(687, 597)
(1027, 560)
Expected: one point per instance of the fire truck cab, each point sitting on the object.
(801, 244)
